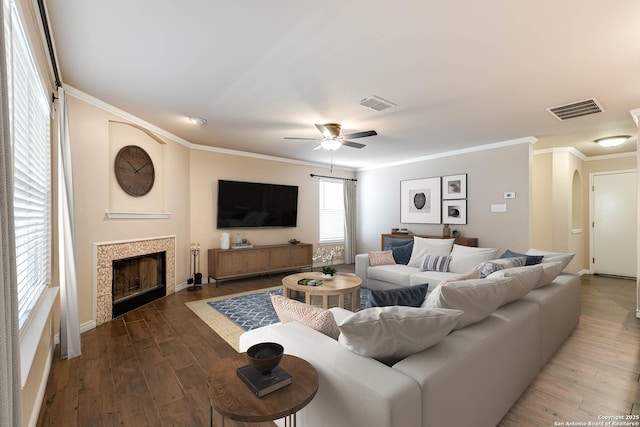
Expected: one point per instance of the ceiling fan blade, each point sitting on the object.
(306, 139)
(353, 144)
(360, 134)
(329, 130)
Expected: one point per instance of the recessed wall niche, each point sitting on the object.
(122, 134)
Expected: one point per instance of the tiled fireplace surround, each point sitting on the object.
(106, 253)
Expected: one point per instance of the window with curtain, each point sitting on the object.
(331, 211)
(31, 142)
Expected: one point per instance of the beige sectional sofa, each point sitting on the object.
(471, 377)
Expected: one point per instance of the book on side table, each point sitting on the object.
(260, 384)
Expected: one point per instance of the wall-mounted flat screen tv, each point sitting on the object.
(256, 205)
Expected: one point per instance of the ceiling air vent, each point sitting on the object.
(377, 103)
(576, 109)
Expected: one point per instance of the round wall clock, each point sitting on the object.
(134, 170)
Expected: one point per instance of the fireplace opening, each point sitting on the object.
(137, 281)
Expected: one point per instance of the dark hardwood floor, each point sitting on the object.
(148, 367)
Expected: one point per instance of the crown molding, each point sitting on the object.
(581, 156)
(526, 140)
(141, 124)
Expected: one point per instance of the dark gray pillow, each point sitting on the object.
(410, 296)
(402, 254)
(531, 259)
(390, 242)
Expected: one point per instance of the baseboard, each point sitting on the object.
(182, 286)
(86, 326)
(583, 272)
(35, 412)
(637, 314)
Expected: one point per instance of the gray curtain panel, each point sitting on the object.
(10, 383)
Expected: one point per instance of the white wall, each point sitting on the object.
(490, 173)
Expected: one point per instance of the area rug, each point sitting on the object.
(231, 315)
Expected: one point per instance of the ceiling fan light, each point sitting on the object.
(198, 120)
(612, 141)
(330, 144)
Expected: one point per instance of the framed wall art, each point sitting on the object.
(454, 187)
(454, 211)
(420, 201)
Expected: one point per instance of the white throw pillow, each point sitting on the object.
(564, 258)
(395, 332)
(423, 247)
(465, 258)
(550, 271)
(524, 280)
(477, 298)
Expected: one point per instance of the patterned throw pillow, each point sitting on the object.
(317, 318)
(470, 275)
(486, 268)
(381, 258)
(436, 263)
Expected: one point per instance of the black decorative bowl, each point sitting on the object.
(294, 241)
(265, 356)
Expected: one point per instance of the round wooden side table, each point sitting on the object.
(232, 399)
(341, 285)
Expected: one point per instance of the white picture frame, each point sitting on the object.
(454, 211)
(420, 201)
(454, 187)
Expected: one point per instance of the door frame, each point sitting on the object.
(590, 225)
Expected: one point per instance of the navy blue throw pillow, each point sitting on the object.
(531, 259)
(402, 253)
(410, 296)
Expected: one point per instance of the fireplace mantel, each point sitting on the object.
(104, 253)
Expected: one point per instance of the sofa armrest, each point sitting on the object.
(353, 390)
(362, 264)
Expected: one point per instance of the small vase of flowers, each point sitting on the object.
(326, 255)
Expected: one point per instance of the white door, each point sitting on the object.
(614, 211)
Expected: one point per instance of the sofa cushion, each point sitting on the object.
(398, 274)
(395, 332)
(524, 280)
(402, 253)
(476, 298)
(564, 258)
(410, 296)
(466, 258)
(488, 267)
(317, 318)
(381, 258)
(436, 263)
(531, 259)
(423, 246)
(550, 270)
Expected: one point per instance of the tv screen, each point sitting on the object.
(252, 204)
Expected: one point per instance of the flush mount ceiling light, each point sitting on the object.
(612, 141)
(331, 144)
(198, 120)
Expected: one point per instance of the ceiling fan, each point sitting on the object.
(331, 139)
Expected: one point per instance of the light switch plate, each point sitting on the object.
(510, 195)
(498, 208)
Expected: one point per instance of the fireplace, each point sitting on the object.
(107, 252)
(138, 280)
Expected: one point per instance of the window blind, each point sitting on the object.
(30, 136)
(331, 211)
